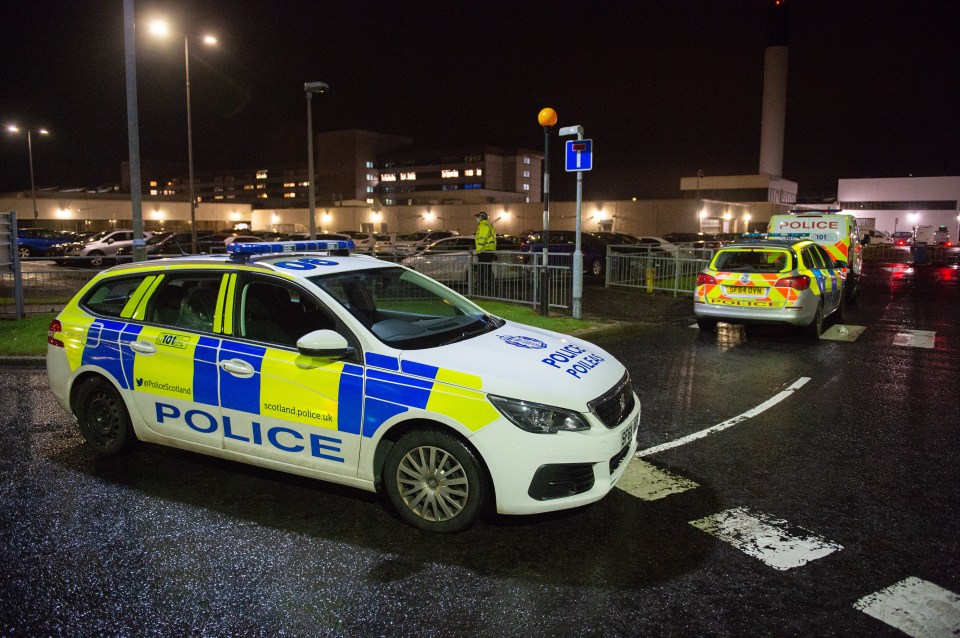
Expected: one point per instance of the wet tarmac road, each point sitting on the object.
(863, 457)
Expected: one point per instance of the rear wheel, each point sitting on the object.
(815, 328)
(23, 251)
(596, 267)
(103, 418)
(95, 259)
(434, 481)
(707, 325)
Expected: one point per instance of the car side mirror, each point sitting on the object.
(324, 343)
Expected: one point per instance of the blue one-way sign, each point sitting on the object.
(579, 155)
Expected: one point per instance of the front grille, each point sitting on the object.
(615, 405)
(558, 481)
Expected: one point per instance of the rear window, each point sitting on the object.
(753, 260)
(110, 296)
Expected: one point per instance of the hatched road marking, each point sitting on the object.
(916, 607)
(752, 412)
(649, 483)
(774, 541)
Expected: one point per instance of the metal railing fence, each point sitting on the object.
(655, 270)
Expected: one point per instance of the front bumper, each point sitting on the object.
(535, 473)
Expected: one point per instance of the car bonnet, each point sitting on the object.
(527, 363)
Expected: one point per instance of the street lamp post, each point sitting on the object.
(33, 184)
(547, 118)
(161, 29)
(310, 88)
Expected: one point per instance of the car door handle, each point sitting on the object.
(238, 368)
(143, 347)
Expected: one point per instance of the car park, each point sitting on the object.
(36, 242)
(694, 240)
(770, 280)
(168, 244)
(563, 242)
(101, 249)
(347, 369)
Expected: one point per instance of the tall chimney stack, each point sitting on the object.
(774, 89)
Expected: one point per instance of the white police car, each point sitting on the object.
(348, 369)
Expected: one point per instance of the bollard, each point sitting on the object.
(651, 272)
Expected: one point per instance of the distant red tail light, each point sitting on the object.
(704, 278)
(798, 282)
(54, 328)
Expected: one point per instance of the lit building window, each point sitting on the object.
(260, 187)
(371, 177)
(369, 200)
(388, 177)
(153, 183)
(261, 174)
(448, 173)
(263, 196)
(369, 189)
(468, 172)
(369, 164)
(289, 184)
(479, 172)
(218, 196)
(526, 173)
(289, 195)
(408, 176)
(526, 187)
(526, 160)
(248, 187)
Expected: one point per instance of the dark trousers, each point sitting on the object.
(483, 272)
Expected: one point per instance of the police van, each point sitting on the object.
(297, 357)
(836, 231)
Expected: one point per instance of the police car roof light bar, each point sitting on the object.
(816, 211)
(242, 252)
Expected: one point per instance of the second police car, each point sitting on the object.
(773, 279)
(344, 368)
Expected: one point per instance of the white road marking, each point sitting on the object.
(648, 482)
(916, 607)
(752, 412)
(915, 338)
(843, 332)
(774, 541)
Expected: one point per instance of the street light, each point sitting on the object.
(161, 29)
(547, 118)
(310, 88)
(13, 128)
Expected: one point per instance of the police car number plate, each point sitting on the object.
(629, 433)
(744, 290)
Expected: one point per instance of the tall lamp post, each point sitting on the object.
(13, 128)
(310, 88)
(547, 118)
(161, 29)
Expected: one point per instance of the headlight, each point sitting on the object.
(539, 418)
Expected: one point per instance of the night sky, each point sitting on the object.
(663, 87)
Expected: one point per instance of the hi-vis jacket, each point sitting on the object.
(486, 236)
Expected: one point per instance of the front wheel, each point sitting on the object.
(103, 418)
(596, 267)
(95, 259)
(23, 251)
(434, 481)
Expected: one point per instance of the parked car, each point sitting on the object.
(167, 244)
(36, 242)
(694, 240)
(793, 281)
(415, 242)
(449, 260)
(101, 249)
(660, 243)
(594, 248)
(876, 237)
(902, 238)
(384, 243)
(362, 242)
(68, 242)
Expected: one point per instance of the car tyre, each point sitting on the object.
(815, 328)
(95, 259)
(103, 418)
(24, 252)
(434, 481)
(707, 325)
(596, 267)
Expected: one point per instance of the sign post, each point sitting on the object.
(579, 158)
